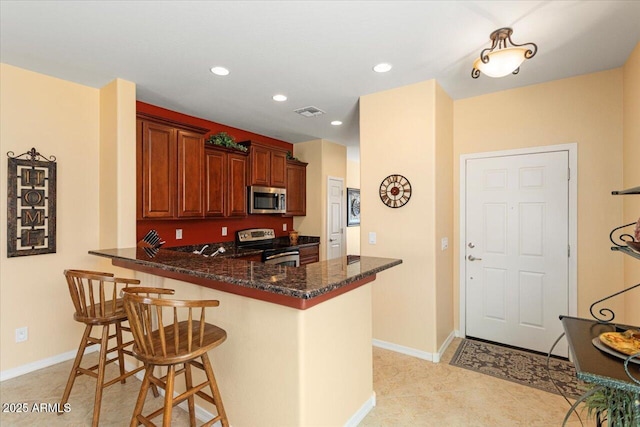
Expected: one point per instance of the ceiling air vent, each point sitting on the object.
(309, 111)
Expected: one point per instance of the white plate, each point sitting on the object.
(600, 346)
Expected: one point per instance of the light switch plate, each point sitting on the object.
(284, 227)
(224, 231)
(445, 243)
(178, 233)
(372, 237)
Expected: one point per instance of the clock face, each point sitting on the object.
(395, 191)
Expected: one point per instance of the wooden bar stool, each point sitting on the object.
(170, 343)
(95, 298)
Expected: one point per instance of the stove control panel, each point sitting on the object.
(255, 234)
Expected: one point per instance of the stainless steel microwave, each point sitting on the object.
(267, 200)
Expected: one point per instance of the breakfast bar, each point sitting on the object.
(298, 351)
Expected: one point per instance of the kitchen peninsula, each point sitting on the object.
(298, 351)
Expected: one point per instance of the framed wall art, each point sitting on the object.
(31, 204)
(353, 207)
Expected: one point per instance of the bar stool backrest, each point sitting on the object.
(95, 295)
(168, 331)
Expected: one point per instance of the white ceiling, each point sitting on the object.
(318, 53)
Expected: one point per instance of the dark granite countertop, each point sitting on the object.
(300, 283)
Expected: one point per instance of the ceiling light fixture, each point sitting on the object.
(336, 122)
(382, 68)
(279, 98)
(220, 71)
(500, 59)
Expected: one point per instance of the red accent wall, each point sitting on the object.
(198, 231)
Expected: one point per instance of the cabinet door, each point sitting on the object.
(158, 170)
(278, 169)
(215, 172)
(309, 254)
(237, 185)
(190, 172)
(260, 166)
(296, 189)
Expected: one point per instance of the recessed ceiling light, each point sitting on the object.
(336, 122)
(279, 98)
(220, 71)
(382, 68)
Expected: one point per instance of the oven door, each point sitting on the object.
(287, 257)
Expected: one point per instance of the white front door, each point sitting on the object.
(516, 249)
(335, 218)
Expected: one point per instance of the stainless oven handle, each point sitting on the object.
(283, 254)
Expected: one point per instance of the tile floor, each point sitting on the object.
(409, 392)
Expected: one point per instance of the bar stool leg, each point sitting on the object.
(104, 343)
(120, 353)
(215, 392)
(168, 397)
(144, 388)
(191, 400)
(74, 369)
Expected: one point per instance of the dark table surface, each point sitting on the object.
(594, 365)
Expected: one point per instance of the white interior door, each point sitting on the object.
(335, 218)
(516, 249)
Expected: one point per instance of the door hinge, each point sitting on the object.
(568, 251)
(568, 174)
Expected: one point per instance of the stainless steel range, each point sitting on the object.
(274, 251)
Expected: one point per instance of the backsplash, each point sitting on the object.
(196, 231)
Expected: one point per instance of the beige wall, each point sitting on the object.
(62, 119)
(586, 110)
(117, 164)
(326, 159)
(631, 152)
(398, 135)
(353, 233)
(444, 216)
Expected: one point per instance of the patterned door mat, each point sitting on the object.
(519, 366)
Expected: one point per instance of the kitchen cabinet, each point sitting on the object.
(296, 188)
(170, 167)
(267, 165)
(309, 254)
(225, 182)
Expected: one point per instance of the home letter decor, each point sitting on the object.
(31, 204)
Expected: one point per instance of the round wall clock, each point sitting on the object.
(395, 191)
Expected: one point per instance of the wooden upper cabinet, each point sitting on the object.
(278, 168)
(267, 165)
(158, 170)
(296, 188)
(215, 173)
(237, 184)
(225, 183)
(260, 166)
(170, 162)
(190, 171)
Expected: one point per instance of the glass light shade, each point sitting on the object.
(501, 62)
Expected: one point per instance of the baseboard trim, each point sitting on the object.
(362, 412)
(403, 350)
(44, 363)
(431, 357)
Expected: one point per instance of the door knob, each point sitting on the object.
(472, 258)
(332, 240)
(471, 245)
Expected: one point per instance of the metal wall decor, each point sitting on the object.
(31, 204)
(353, 207)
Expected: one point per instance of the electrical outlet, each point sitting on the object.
(22, 334)
(444, 244)
(284, 227)
(178, 233)
(224, 231)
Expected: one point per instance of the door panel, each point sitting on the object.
(516, 251)
(190, 172)
(335, 226)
